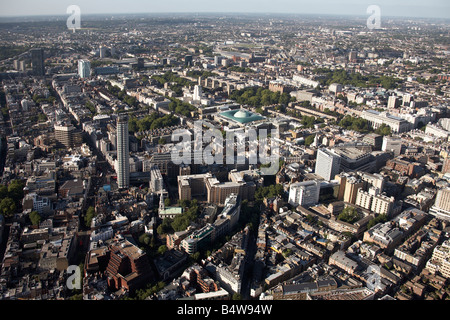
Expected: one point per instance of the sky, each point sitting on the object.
(400, 8)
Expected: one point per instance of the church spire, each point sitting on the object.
(161, 202)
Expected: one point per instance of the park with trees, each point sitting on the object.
(11, 196)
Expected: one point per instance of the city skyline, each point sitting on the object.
(225, 156)
(419, 9)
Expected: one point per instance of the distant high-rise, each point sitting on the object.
(123, 153)
(198, 93)
(327, 164)
(393, 102)
(140, 63)
(353, 56)
(102, 52)
(446, 166)
(84, 68)
(37, 61)
(188, 61)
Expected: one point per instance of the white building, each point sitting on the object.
(436, 131)
(102, 234)
(374, 202)
(393, 102)
(84, 69)
(335, 88)
(327, 164)
(376, 119)
(440, 260)
(445, 123)
(304, 193)
(39, 203)
(102, 52)
(392, 144)
(156, 180)
(305, 81)
(123, 153)
(441, 208)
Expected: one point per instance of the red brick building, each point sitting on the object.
(128, 266)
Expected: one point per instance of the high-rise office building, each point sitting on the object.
(37, 61)
(392, 144)
(393, 102)
(156, 180)
(327, 164)
(407, 99)
(198, 93)
(353, 56)
(446, 166)
(353, 184)
(102, 52)
(217, 60)
(67, 135)
(441, 208)
(373, 139)
(140, 63)
(123, 153)
(84, 69)
(304, 193)
(188, 61)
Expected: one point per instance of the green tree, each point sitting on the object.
(144, 239)
(162, 249)
(132, 124)
(3, 191)
(287, 253)
(90, 214)
(269, 192)
(383, 130)
(165, 227)
(356, 124)
(7, 207)
(237, 296)
(349, 215)
(15, 191)
(195, 256)
(379, 219)
(184, 203)
(167, 202)
(309, 140)
(35, 218)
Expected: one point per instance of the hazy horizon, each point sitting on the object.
(399, 8)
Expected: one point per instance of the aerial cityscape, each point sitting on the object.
(224, 156)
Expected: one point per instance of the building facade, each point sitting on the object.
(123, 153)
(304, 193)
(84, 69)
(327, 164)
